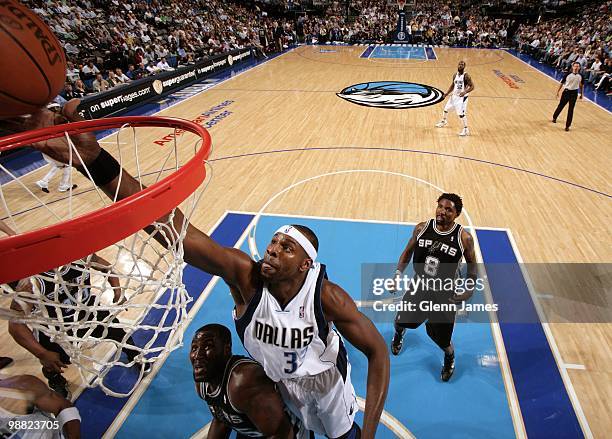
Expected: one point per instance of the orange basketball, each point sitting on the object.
(32, 61)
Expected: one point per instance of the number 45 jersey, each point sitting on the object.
(294, 341)
(437, 254)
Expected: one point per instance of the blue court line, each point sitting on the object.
(431, 54)
(599, 98)
(366, 53)
(99, 410)
(545, 405)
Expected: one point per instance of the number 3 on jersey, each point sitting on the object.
(291, 362)
(431, 266)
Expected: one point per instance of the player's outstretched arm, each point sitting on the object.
(253, 393)
(340, 308)
(24, 336)
(47, 401)
(406, 255)
(200, 250)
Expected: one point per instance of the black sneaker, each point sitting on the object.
(58, 384)
(398, 341)
(449, 367)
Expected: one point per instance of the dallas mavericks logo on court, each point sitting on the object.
(392, 94)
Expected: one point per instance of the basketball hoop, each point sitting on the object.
(68, 230)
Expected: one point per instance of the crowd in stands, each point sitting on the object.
(447, 22)
(112, 42)
(585, 38)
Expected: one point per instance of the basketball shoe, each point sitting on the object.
(464, 132)
(442, 123)
(397, 342)
(449, 367)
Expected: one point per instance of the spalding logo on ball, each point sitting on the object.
(32, 61)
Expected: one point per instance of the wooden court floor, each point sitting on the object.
(517, 170)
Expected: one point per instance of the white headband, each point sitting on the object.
(300, 238)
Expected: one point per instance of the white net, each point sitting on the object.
(116, 311)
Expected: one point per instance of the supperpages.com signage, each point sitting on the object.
(124, 97)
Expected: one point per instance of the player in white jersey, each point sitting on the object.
(461, 86)
(54, 417)
(300, 350)
(285, 274)
(286, 325)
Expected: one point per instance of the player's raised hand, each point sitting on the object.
(51, 360)
(397, 279)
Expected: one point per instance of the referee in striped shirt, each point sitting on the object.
(570, 84)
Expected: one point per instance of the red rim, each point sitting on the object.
(59, 244)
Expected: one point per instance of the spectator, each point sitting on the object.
(163, 65)
(100, 84)
(72, 73)
(79, 89)
(68, 93)
(131, 72)
(594, 70)
(112, 79)
(121, 77)
(89, 71)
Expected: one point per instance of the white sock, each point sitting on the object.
(464, 119)
(444, 114)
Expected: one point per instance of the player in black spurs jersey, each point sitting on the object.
(63, 299)
(239, 394)
(436, 248)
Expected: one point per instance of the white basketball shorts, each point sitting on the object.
(458, 103)
(325, 403)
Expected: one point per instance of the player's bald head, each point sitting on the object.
(220, 332)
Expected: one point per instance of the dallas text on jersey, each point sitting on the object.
(291, 338)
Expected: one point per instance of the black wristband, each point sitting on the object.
(103, 169)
